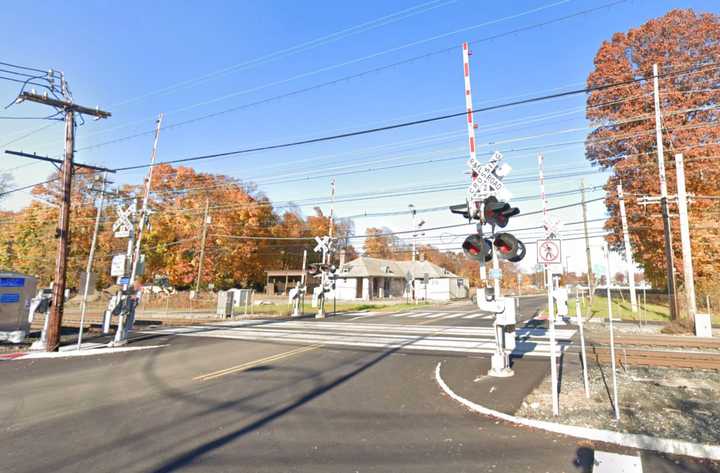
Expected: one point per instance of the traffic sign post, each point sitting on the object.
(549, 252)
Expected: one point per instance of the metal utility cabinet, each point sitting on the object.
(16, 292)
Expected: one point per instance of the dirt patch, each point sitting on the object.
(669, 403)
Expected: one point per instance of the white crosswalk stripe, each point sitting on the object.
(415, 315)
(474, 316)
(530, 342)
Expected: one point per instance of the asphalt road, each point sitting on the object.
(213, 402)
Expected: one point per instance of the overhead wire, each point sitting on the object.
(361, 74)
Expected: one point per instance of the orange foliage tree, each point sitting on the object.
(685, 45)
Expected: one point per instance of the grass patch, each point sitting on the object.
(652, 312)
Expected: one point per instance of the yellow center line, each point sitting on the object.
(254, 363)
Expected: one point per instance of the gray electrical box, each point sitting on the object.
(225, 304)
(16, 292)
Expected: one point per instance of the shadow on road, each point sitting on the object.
(197, 452)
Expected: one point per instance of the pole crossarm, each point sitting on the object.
(63, 104)
(57, 161)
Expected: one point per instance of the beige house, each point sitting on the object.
(367, 278)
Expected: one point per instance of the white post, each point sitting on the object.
(612, 337)
(553, 353)
(628, 251)
(549, 286)
(578, 315)
(685, 237)
(669, 256)
(88, 270)
(299, 306)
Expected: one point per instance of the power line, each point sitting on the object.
(364, 73)
(396, 125)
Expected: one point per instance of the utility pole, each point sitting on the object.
(88, 270)
(664, 199)
(628, 251)
(685, 237)
(58, 299)
(206, 219)
(588, 253)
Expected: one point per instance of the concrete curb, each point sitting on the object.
(74, 353)
(643, 442)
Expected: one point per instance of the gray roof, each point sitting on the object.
(365, 266)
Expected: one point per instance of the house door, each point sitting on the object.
(358, 288)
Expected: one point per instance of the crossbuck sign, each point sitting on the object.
(122, 226)
(488, 181)
(324, 244)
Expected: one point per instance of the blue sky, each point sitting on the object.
(137, 59)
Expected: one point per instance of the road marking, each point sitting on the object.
(473, 316)
(252, 364)
(419, 314)
(455, 315)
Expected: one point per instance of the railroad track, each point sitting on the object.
(660, 341)
(657, 358)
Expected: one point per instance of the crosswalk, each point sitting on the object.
(435, 314)
(433, 338)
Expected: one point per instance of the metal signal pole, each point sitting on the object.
(88, 269)
(63, 231)
(669, 257)
(551, 308)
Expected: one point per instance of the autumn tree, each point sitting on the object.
(685, 45)
(380, 243)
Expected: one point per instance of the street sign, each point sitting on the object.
(548, 251)
(123, 280)
(118, 266)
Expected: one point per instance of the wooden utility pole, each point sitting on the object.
(202, 244)
(590, 276)
(63, 231)
(669, 257)
(58, 290)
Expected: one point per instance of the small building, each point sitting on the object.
(367, 278)
(280, 281)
